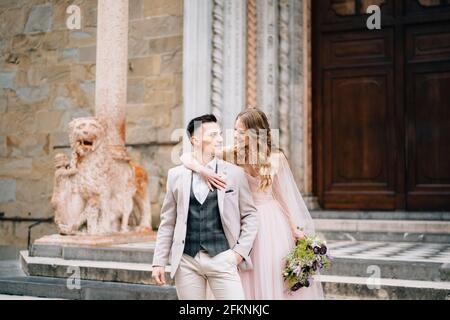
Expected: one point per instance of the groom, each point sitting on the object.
(205, 235)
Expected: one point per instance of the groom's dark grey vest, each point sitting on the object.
(204, 227)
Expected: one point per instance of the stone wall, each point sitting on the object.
(47, 78)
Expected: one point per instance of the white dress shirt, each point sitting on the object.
(199, 185)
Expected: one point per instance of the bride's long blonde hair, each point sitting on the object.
(259, 133)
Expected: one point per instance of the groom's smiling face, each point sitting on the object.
(208, 137)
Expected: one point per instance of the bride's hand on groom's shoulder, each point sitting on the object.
(213, 179)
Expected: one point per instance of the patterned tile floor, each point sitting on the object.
(402, 251)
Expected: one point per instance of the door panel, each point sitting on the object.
(428, 109)
(359, 118)
(358, 49)
(430, 44)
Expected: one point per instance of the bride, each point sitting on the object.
(281, 210)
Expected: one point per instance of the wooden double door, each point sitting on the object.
(381, 101)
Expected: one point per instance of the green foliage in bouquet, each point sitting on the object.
(308, 256)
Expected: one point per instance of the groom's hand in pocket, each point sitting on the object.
(158, 273)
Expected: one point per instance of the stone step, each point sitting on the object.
(125, 272)
(335, 288)
(134, 253)
(445, 272)
(13, 297)
(392, 269)
(386, 289)
(351, 258)
(401, 260)
(9, 252)
(381, 215)
(393, 226)
(384, 230)
(56, 288)
(10, 268)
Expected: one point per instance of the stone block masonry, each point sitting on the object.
(47, 78)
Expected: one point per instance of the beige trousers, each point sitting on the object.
(219, 272)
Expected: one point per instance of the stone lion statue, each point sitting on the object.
(96, 191)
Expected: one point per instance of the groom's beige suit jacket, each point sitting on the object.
(236, 207)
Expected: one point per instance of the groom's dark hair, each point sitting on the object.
(202, 119)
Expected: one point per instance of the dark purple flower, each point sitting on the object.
(316, 250)
(306, 284)
(296, 286)
(323, 249)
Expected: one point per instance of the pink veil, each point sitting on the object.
(288, 196)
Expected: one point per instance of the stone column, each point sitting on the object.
(217, 59)
(296, 92)
(111, 67)
(300, 108)
(285, 65)
(214, 65)
(310, 199)
(267, 60)
(234, 62)
(252, 65)
(197, 58)
(284, 82)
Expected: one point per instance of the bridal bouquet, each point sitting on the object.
(304, 260)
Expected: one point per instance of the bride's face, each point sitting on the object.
(241, 138)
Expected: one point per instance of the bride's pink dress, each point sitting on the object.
(275, 239)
